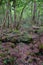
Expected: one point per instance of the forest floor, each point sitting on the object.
(16, 49)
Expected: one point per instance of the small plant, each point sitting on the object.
(6, 61)
(9, 61)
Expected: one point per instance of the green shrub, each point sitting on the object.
(6, 61)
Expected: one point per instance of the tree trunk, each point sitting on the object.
(34, 13)
(38, 22)
(14, 5)
(8, 12)
(15, 23)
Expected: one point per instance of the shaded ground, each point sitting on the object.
(21, 54)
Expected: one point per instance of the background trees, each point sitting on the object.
(15, 12)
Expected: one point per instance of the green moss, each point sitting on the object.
(41, 46)
(16, 31)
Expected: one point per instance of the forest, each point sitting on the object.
(21, 32)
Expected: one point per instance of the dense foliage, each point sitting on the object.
(21, 10)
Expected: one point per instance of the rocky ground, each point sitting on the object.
(22, 52)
